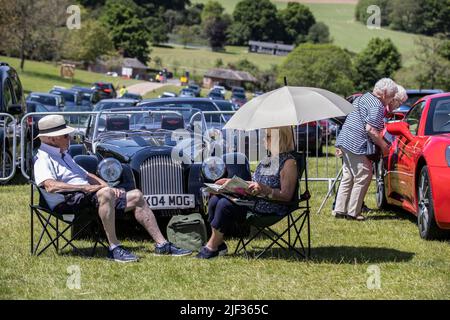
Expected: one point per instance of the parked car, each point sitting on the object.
(73, 103)
(416, 173)
(238, 98)
(238, 90)
(225, 105)
(221, 89)
(33, 106)
(414, 96)
(309, 136)
(186, 92)
(53, 102)
(140, 149)
(216, 94)
(106, 89)
(133, 96)
(168, 94)
(112, 74)
(195, 88)
(119, 103)
(89, 96)
(11, 102)
(213, 121)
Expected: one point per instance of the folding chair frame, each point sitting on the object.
(295, 223)
(45, 217)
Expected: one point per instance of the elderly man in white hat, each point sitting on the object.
(55, 171)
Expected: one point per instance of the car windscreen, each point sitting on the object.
(68, 97)
(50, 101)
(224, 105)
(238, 95)
(200, 105)
(440, 118)
(112, 105)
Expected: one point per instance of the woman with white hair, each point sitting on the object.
(362, 126)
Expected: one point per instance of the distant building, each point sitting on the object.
(227, 77)
(270, 48)
(133, 68)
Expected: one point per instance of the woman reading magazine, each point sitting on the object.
(275, 178)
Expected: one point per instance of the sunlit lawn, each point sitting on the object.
(342, 252)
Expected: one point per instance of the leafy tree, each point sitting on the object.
(186, 34)
(318, 65)
(158, 30)
(432, 70)
(193, 14)
(244, 65)
(256, 20)
(88, 43)
(215, 30)
(319, 33)
(215, 24)
(296, 19)
(238, 33)
(378, 60)
(128, 31)
(173, 18)
(212, 9)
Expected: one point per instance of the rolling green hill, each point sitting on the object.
(344, 29)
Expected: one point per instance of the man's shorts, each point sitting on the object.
(80, 201)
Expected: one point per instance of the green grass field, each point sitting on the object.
(343, 253)
(200, 60)
(345, 30)
(42, 76)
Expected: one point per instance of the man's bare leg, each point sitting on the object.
(106, 211)
(144, 215)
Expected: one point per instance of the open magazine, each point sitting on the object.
(232, 189)
(235, 185)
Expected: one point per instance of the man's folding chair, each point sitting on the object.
(56, 227)
(297, 218)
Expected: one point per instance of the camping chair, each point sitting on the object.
(87, 221)
(296, 221)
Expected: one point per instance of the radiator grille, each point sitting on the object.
(161, 175)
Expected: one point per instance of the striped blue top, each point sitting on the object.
(353, 136)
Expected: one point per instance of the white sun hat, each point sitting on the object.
(53, 126)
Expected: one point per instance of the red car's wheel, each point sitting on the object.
(380, 195)
(428, 228)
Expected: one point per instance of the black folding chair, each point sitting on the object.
(57, 226)
(297, 218)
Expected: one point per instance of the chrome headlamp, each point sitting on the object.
(213, 168)
(110, 169)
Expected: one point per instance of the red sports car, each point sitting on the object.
(416, 174)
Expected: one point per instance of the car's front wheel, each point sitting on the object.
(426, 222)
(380, 194)
(6, 165)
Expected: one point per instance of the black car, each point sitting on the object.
(106, 89)
(53, 102)
(89, 96)
(195, 88)
(33, 106)
(213, 121)
(216, 94)
(73, 103)
(225, 105)
(238, 98)
(133, 96)
(108, 104)
(12, 102)
(160, 152)
(309, 136)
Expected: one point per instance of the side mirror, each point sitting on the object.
(15, 109)
(399, 128)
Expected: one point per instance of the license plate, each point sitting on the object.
(170, 201)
